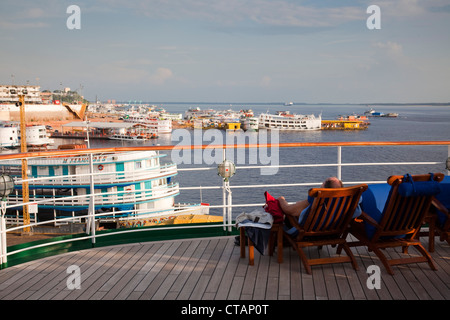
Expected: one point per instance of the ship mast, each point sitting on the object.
(23, 149)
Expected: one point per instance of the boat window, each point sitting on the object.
(42, 170)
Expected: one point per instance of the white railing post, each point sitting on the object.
(339, 162)
(91, 220)
(224, 209)
(3, 246)
(229, 207)
(448, 155)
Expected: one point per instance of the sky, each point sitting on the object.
(310, 51)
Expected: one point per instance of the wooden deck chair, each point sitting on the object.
(395, 219)
(439, 216)
(329, 216)
(438, 221)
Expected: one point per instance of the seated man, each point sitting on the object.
(300, 208)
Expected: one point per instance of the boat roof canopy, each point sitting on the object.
(102, 124)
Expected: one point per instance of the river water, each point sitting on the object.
(414, 123)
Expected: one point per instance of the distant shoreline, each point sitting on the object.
(296, 104)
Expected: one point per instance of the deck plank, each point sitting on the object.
(159, 272)
(88, 270)
(211, 268)
(190, 290)
(185, 273)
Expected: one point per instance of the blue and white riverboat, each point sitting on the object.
(130, 188)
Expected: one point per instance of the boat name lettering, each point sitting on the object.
(84, 159)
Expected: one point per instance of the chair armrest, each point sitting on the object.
(293, 221)
(438, 205)
(364, 216)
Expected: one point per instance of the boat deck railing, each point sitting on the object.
(227, 206)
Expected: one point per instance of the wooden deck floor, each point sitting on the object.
(211, 269)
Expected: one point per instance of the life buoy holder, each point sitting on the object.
(100, 167)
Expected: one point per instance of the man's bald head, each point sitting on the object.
(332, 182)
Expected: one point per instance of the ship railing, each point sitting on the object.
(112, 198)
(106, 177)
(227, 206)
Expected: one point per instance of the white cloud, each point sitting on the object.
(402, 8)
(16, 25)
(261, 12)
(119, 73)
(265, 81)
(391, 49)
(161, 76)
(23, 14)
(34, 13)
(282, 13)
(387, 56)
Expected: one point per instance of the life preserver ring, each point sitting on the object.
(100, 167)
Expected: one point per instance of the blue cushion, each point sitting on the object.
(292, 231)
(444, 198)
(373, 202)
(419, 188)
(304, 214)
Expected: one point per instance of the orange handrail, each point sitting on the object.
(49, 153)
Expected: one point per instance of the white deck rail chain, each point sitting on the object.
(226, 206)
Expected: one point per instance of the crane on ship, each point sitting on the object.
(77, 114)
(23, 148)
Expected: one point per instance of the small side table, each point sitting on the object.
(276, 232)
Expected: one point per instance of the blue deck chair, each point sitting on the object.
(439, 215)
(327, 221)
(392, 216)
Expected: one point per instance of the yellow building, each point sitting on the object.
(233, 126)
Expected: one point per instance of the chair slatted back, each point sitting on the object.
(404, 215)
(331, 210)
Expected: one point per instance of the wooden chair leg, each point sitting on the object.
(445, 236)
(251, 252)
(276, 233)
(383, 260)
(304, 259)
(349, 253)
(280, 244)
(431, 235)
(425, 253)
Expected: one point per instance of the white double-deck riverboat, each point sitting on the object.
(127, 137)
(250, 123)
(9, 137)
(157, 125)
(130, 188)
(286, 121)
(36, 136)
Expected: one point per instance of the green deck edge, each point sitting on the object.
(112, 237)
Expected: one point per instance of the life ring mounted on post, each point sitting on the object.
(100, 167)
